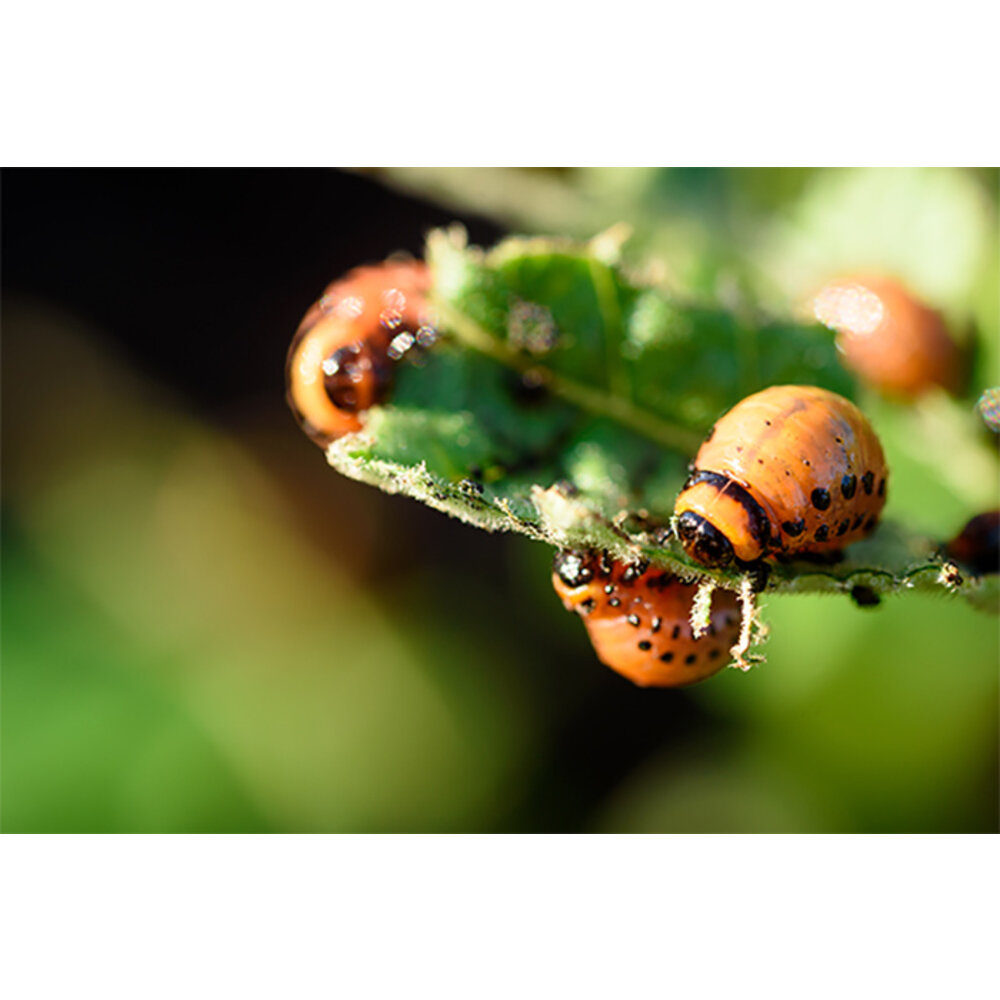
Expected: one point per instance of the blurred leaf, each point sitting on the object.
(890, 712)
(90, 743)
(931, 227)
(224, 672)
(709, 790)
(568, 400)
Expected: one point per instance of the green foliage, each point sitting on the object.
(567, 399)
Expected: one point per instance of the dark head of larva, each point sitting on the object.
(702, 541)
(718, 520)
(341, 359)
(573, 568)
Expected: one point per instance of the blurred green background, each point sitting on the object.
(206, 629)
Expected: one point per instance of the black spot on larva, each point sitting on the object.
(868, 482)
(666, 657)
(633, 620)
(767, 423)
(606, 564)
(806, 461)
(822, 533)
(820, 498)
(658, 582)
(760, 461)
(871, 522)
(848, 485)
(794, 528)
(609, 588)
(865, 597)
(714, 655)
(858, 521)
(614, 603)
(645, 645)
(881, 487)
(843, 526)
(588, 605)
(657, 622)
(690, 658)
(676, 632)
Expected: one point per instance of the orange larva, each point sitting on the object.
(790, 470)
(889, 337)
(638, 619)
(977, 545)
(341, 358)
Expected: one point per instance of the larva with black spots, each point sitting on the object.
(977, 545)
(638, 619)
(341, 359)
(889, 337)
(791, 470)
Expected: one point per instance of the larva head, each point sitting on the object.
(718, 521)
(341, 359)
(333, 377)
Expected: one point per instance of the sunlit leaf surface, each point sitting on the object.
(566, 401)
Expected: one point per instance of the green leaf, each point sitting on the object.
(566, 400)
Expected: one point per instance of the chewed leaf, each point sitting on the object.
(565, 401)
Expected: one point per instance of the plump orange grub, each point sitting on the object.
(341, 358)
(889, 337)
(789, 470)
(638, 619)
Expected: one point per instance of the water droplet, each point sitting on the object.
(427, 336)
(530, 328)
(400, 344)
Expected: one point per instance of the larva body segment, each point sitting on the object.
(341, 359)
(638, 619)
(789, 470)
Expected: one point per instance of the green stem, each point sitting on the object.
(607, 302)
(595, 401)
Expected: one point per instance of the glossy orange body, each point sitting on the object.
(638, 620)
(789, 470)
(340, 361)
(889, 337)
